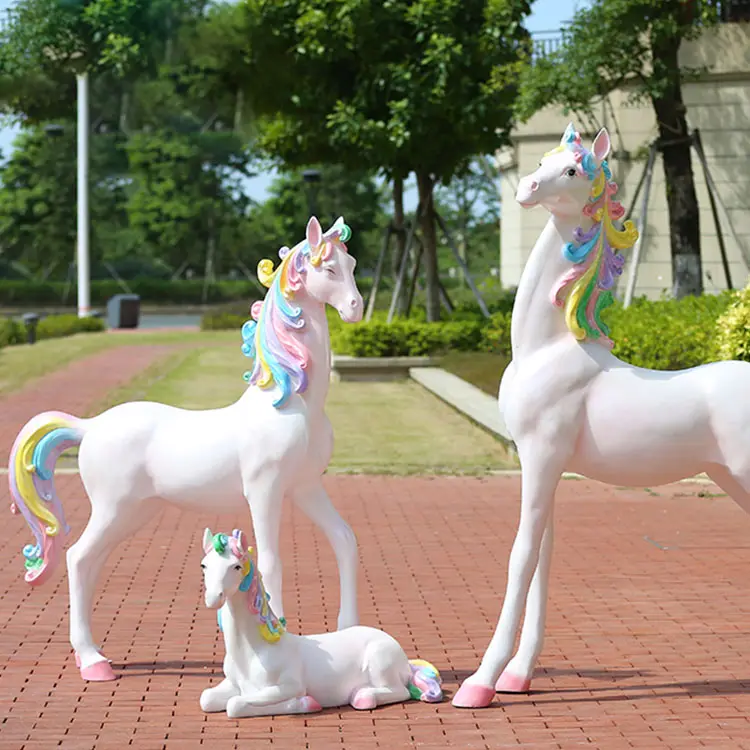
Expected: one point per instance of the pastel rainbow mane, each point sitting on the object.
(280, 358)
(586, 290)
(270, 627)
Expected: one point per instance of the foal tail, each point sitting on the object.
(424, 683)
(32, 487)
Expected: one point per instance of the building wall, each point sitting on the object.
(718, 105)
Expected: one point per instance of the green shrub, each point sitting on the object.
(58, 326)
(496, 334)
(667, 334)
(11, 332)
(733, 328)
(223, 321)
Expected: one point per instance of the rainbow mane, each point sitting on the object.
(585, 290)
(280, 358)
(271, 627)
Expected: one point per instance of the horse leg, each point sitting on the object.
(516, 678)
(315, 503)
(216, 698)
(265, 499)
(385, 671)
(270, 701)
(110, 523)
(733, 485)
(541, 472)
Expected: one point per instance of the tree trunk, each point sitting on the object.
(398, 224)
(682, 202)
(425, 186)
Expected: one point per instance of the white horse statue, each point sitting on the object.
(569, 404)
(271, 671)
(275, 441)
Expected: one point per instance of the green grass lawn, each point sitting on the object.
(379, 427)
(21, 364)
(482, 370)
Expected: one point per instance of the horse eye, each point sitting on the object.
(571, 172)
(331, 271)
(238, 567)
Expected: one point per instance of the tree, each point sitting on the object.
(341, 192)
(635, 43)
(404, 86)
(37, 201)
(470, 206)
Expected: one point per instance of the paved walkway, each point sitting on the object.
(76, 388)
(648, 638)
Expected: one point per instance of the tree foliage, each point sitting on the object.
(633, 44)
(403, 86)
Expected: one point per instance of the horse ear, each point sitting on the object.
(568, 135)
(601, 146)
(207, 537)
(241, 540)
(314, 233)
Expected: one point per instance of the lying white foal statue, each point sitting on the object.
(270, 671)
(569, 404)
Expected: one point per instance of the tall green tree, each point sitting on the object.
(635, 43)
(404, 86)
(37, 201)
(353, 194)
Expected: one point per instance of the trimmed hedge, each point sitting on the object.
(660, 335)
(52, 327)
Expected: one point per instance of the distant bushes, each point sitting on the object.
(51, 327)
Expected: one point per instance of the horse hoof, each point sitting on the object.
(310, 705)
(473, 696)
(100, 671)
(512, 683)
(364, 701)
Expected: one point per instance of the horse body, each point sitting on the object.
(274, 442)
(270, 671)
(569, 404)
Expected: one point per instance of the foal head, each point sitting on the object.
(228, 571)
(321, 267)
(563, 181)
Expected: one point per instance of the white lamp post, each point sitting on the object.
(84, 275)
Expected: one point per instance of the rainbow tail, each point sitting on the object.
(425, 682)
(32, 487)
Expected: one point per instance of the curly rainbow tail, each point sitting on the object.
(424, 684)
(30, 476)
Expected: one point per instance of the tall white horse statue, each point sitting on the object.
(275, 441)
(569, 404)
(271, 671)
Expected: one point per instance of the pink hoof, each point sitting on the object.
(364, 700)
(473, 696)
(100, 671)
(512, 683)
(310, 705)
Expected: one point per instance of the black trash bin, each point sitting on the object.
(124, 311)
(30, 322)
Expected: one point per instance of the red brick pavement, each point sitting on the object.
(648, 637)
(76, 388)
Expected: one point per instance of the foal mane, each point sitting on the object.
(586, 289)
(270, 627)
(280, 358)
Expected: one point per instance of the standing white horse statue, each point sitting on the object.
(270, 671)
(275, 441)
(569, 404)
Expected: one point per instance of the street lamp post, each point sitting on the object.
(84, 274)
(311, 177)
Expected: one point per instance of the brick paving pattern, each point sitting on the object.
(648, 640)
(76, 388)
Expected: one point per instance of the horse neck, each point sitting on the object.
(241, 627)
(536, 320)
(316, 337)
